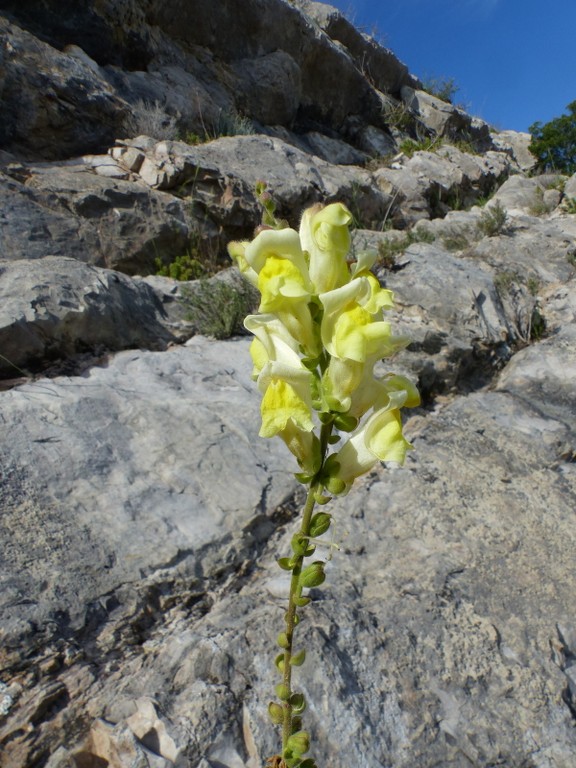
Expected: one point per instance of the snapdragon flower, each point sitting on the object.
(320, 331)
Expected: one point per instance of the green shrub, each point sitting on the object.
(554, 143)
(151, 119)
(539, 206)
(391, 247)
(185, 267)
(493, 220)
(455, 240)
(410, 146)
(444, 88)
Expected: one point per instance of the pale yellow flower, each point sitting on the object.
(325, 236)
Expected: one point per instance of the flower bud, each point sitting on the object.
(276, 713)
(298, 743)
(313, 575)
(298, 658)
(320, 524)
(283, 692)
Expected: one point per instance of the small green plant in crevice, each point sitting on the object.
(533, 285)
(465, 145)
(493, 220)
(151, 118)
(200, 260)
(537, 325)
(397, 115)
(559, 184)
(391, 247)
(215, 307)
(483, 199)
(539, 206)
(410, 146)
(571, 257)
(456, 239)
(443, 88)
(569, 205)
(227, 123)
(505, 280)
(185, 267)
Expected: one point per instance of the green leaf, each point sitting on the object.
(299, 743)
(335, 485)
(276, 713)
(345, 423)
(313, 575)
(321, 499)
(282, 640)
(298, 658)
(301, 601)
(296, 724)
(282, 691)
(320, 523)
(298, 702)
(299, 544)
(333, 439)
(279, 662)
(286, 564)
(303, 477)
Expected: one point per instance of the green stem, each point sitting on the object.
(291, 616)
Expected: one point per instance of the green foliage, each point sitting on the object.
(397, 115)
(410, 146)
(554, 143)
(185, 267)
(466, 145)
(456, 239)
(226, 124)
(537, 325)
(539, 206)
(569, 205)
(391, 247)
(493, 220)
(152, 119)
(216, 306)
(444, 88)
(505, 280)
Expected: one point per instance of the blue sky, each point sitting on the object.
(514, 61)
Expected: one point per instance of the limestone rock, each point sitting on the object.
(520, 194)
(517, 145)
(429, 184)
(54, 105)
(270, 88)
(444, 119)
(382, 67)
(71, 211)
(570, 187)
(441, 598)
(221, 175)
(58, 311)
(57, 308)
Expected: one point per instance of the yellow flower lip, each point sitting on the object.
(286, 399)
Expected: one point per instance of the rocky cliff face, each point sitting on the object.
(142, 515)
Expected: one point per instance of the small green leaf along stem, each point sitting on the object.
(291, 617)
(295, 598)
